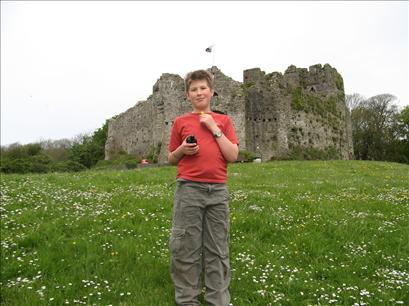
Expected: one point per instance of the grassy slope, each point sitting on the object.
(302, 233)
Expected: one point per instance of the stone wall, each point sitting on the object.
(273, 114)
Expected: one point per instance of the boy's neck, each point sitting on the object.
(201, 112)
(195, 111)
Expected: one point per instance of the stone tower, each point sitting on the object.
(273, 114)
(298, 110)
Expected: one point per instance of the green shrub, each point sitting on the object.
(245, 156)
(302, 153)
(120, 161)
(67, 166)
(39, 163)
(153, 154)
(297, 102)
(18, 165)
(246, 87)
(339, 83)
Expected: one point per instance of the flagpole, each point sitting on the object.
(213, 57)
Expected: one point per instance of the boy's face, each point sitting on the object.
(200, 95)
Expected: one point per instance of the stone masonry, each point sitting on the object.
(274, 114)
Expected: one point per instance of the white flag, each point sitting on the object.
(209, 49)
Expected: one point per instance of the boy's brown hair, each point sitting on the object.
(199, 75)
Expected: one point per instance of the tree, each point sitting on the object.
(354, 100)
(88, 150)
(58, 150)
(377, 133)
(403, 122)
(401, 147)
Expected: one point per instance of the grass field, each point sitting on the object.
(302, 233)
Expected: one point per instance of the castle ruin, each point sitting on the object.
(274, 114)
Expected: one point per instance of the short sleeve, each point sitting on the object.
(229, 131)
(175, 138)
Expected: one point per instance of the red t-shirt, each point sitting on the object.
(208, 165)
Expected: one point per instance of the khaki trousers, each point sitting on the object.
(200, 242)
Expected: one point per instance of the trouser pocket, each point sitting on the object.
(176, 241)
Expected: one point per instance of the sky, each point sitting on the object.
(68, 66)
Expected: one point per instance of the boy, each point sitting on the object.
(200, 227)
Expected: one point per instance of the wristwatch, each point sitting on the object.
(218, 134)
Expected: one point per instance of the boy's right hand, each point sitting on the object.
(189, 148)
